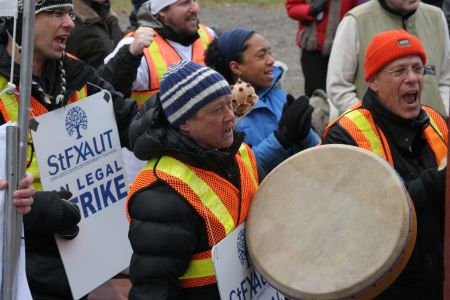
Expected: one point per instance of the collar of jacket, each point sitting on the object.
(277, 74)
(386, 7)
(169, 34)
(402, 131)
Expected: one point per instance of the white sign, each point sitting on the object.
(22, 291)
(9, 8)
(78, 149)
(235, 273)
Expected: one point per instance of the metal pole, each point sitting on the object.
(14, 221)
(12, 226)
(26, 67)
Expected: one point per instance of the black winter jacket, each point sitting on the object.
(415, 162)
(94, 36)
(165, 230)
(45, 271)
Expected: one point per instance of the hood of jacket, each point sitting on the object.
(151, 136)
(85, 12)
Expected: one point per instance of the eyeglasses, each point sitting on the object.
(401, 72)
(59, 14)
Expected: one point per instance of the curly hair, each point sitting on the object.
(214, 58)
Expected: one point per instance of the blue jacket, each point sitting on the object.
(261, 122)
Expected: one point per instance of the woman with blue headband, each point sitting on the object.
(278, 126)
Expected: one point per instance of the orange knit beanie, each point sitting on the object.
(388, 46)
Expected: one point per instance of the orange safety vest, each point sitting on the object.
(9, 108)
(160, 55)
(359, 123)
(215, 199)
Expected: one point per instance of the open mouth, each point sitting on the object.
(269, 73)
(61, 40)
(410, 98)
(192, 19)
(228, 131)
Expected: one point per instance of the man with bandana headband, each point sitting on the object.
(170, 31)
(57, 80)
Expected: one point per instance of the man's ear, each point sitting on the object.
(184, 127)
(373, 83)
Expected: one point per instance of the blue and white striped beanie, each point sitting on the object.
(186, 87)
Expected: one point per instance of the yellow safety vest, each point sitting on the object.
(359, 123)
(160, 55)
(214, 198)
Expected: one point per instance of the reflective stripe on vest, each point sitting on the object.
(360, 125)
(9, 108)
(213, 198)
(160, 55)
(436, 135)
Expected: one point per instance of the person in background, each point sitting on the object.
(195, 189)
(57, 80)
(345, 79)
(317, 24)
(446, 10)
(137, 64)
(391, 122)
(96, 31)
(278, 126)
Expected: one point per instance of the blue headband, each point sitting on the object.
(232, 41)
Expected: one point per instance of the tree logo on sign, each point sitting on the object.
(76, 119)
(242, 249)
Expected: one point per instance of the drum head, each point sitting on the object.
(333, 221)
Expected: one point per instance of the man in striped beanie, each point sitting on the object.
(188, 90)
(195, 189)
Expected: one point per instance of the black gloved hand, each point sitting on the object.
(71, 217)
(295, 122)
(316, 7)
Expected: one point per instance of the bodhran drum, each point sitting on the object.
(331, 222)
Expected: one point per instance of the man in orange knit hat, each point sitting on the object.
(345, 77)
(391, 122)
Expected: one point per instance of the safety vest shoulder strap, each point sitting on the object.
(355, 106)
(249, 160)
(360, 125)
(200, 45)
(436, 134)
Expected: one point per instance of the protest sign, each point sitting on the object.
(78, 150)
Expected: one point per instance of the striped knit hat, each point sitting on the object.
(186, 87)
(388, 46)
